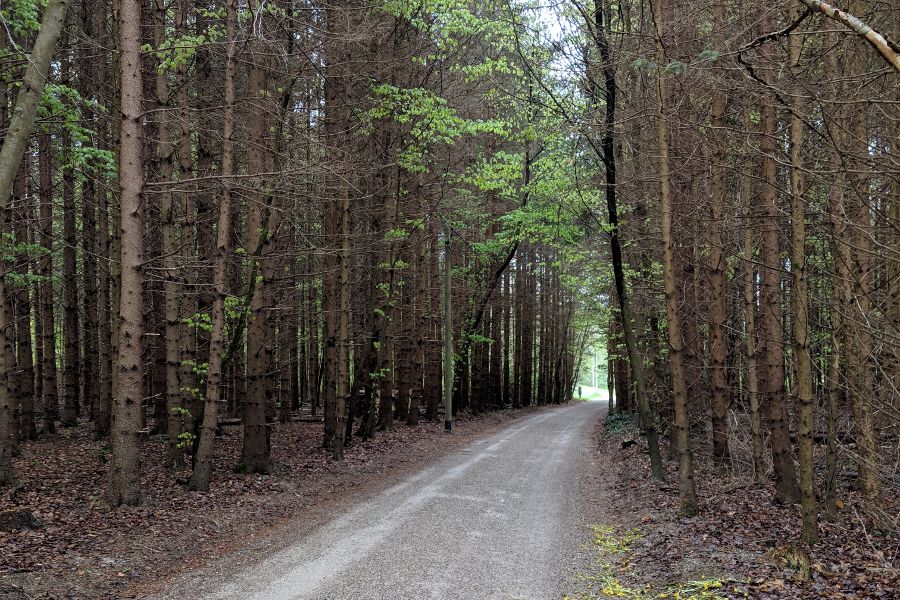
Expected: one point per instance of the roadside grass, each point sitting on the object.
(611, 548)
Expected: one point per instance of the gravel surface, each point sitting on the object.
(493, 520)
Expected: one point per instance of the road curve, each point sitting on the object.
(489, 522)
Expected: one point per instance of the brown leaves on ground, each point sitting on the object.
(740, 537)
(82, 549)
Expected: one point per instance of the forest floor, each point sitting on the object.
(81, 549)
(739, 546)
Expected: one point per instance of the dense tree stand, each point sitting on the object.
(220, 222)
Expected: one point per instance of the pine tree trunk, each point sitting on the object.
(773, 399)
(90, 389)
(24, 216)
(858, 237)
(518, 301)
(48, 325)
(8, 434)
(102, 422)
(331, 227)
(420, 326)
(686, 491)
(165, 154)
(608, 156)
(343, 367)
(125, 468)
(840, 293)
(750, 336)
(495, 386)
(506, 340)
(802, 357)
(720, 400)
(71, 341)
(528, 316)
(433, 384)
(261, 225)
(200, 476)
(187, 295)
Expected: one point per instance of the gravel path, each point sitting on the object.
(493, 520)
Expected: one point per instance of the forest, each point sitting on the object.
(230, 224)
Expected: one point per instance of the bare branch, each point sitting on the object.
(888, 49)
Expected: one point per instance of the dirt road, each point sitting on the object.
(493, 520)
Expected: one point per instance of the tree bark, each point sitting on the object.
(802, 357)
(89, 366)
(840, 294)
(48, 323)
(71, 331)
(686, 491)
(720, 399)
(256, 451)
(23, 305)
(858, 237)
(200, 476)
(165, 154)
(749, 291)
(125, 469)
(772, 393)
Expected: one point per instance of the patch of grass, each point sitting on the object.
(605, 538)
(618, 423)
(603, 583)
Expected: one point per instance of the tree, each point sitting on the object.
(804, 384)
(125, 469)
(218, 353)
(686, 491)
(718, 316)
(771, 372)
(14, 144)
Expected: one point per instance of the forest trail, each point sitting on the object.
(494, 520)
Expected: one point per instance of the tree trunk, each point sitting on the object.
(802, 357)
(21, 123)
(608, 156)
(188, 276)
(749, 291)
(89, 251)
(71, 341)
(102, 422)
(720, 399)
(25, 215)
(858, 237)
(686, 492)
(840, 290)
(200, 475)
(125, 469)
(772, 393)
(48, 323)
(255, 453)
(171, 313)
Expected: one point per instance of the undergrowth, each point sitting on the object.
(618, 423)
